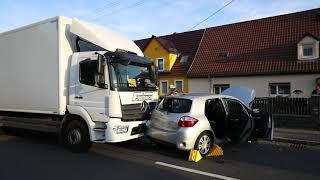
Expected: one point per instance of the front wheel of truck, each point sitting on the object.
(76, 137)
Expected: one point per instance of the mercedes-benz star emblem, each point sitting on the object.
(144, 106)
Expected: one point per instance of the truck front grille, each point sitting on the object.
(132, 112)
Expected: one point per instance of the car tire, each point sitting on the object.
(204, 143)
(76, 137)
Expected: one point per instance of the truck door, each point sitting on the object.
(87, 92)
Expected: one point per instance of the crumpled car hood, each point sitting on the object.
(103, 37)
(244, 94)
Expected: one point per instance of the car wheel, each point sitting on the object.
(204, 143)
(76, 137)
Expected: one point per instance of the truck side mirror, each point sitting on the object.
(100, 69)
(101, 64)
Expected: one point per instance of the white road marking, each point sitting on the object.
(195, 171)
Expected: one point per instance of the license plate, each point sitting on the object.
(142, 96)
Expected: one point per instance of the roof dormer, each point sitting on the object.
(308, 48)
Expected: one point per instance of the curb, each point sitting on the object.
(296, 141)
(291, 144)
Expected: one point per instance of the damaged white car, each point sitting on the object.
(197, 121)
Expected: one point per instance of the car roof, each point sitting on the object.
(205, 96)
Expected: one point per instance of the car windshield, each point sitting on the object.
(176, 105)
(132, 76)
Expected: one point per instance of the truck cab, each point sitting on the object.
(116, 88)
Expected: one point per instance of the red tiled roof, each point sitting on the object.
(167, 44)
(185, 43)
(257, 47)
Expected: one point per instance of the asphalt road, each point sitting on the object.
(38, 156)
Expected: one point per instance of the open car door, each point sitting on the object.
(262, 123)
(240, 124)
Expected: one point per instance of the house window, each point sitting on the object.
(308, 50)
(279, 89)
(160, 62)
(219, 88)
(164, 87)
(179, 85)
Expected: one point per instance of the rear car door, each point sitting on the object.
(168, 113)
(239, 121)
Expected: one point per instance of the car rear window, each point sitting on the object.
(176, 105)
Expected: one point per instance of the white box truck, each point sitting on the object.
(75, 78)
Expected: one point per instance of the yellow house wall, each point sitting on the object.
(171, 80)
(155, 50)
(172, 59)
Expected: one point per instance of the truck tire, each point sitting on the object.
(76, 137)
(204, 143)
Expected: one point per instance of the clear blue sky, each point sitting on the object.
(157, 17)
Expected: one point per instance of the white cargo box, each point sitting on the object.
(34, 62)
(33, 65)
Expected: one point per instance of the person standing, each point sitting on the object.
(317, 90)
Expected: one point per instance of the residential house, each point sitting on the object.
(277, 56)
(173, 55)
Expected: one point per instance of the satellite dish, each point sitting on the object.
(297, 91)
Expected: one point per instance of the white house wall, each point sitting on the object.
(199, 85)
(305, 83)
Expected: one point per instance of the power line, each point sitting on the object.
(121, 9)
(212, 14)
(102, 10)
(103, 7)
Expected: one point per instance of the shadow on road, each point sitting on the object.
(275, 156)
(31, 155)
(29, 150)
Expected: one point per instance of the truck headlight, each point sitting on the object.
(120, 129)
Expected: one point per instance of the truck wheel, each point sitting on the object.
(204, 143)
(76, 137)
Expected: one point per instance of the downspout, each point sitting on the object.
(210, 85)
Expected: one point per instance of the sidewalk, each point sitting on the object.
(297, 135)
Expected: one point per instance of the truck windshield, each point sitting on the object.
(132, 76)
